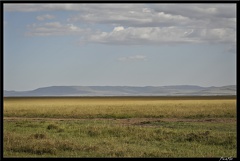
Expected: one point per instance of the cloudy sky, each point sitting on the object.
(119, 44)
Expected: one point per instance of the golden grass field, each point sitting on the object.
(120, 127)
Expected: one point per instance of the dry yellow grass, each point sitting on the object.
(118, 108)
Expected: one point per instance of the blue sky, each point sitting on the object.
(119, 45)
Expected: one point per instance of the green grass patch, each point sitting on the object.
(90, 138)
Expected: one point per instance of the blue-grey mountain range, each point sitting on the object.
(179, 90)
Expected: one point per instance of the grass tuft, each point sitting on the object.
(39, 136)
(52, 126)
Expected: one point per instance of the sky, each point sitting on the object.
(118, 44)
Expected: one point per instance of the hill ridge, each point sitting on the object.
(171, 90)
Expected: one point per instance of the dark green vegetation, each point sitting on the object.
(120, 127)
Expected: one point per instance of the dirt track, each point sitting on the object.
(128, 121)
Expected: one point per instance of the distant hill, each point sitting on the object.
(178, 90)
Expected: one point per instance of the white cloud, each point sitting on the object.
(151, 23)
(159, 15)
(125, 14)
(118, 28)
(137, 16)
(141, 35)
(54, 28)
(45, 17)
(200, 11)
(31, 7)
(215, 35)
(132, 58)
(146, 10)
(165, 35)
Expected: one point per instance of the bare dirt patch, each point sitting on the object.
(128, 121)
(149, 121)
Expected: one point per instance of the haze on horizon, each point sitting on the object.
(152, 44)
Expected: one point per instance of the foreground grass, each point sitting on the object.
(119, 127)
(91, 138)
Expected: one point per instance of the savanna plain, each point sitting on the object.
(159, 127)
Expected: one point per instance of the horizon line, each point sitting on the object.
(114, 86)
